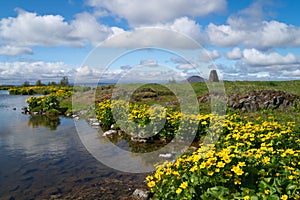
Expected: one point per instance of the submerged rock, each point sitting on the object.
(166, 155)
(109, 132)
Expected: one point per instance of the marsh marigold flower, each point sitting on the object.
(237, 170)
(178, 191)
(184, 185)
(151, 184)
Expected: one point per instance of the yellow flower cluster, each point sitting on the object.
(258, 159)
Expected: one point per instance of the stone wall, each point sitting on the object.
(259, 100)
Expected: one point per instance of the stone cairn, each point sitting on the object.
(213, 76)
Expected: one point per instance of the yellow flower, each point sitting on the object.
(149, 178)
(237, 170)
(247, 198)
(266, 160)
(184, 185)
(291, 177)
(203, 165)
(210, 173)
(178, 191)
(267, 191)
(204, 123)
(220, 164)
(217, 170)
(151, 184)
(237, 181)
(284, 197)
(194, 168)
(175, 173)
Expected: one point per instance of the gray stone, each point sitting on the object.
(93, 120)
(114, 127)
(95, 124)
(166, 155)
(213, 76)
(141, 194)
(109, 132)
(134, 139)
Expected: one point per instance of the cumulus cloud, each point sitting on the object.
(255, 57)
(249, 29)
(139, 12)
(18, 72)
(235, 54)
(150, 37)
(208, 56)
(187, 27)
(268, 35)
(30, 29)
(149, 62)
(185, 67)
(86, 27)
(292, 74)
(8, 50)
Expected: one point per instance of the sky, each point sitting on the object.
(107, 40)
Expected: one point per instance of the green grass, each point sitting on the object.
(242, 87)
(163, 95)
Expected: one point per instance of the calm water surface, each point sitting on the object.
(43, 158)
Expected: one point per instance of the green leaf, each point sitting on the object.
(291, 187)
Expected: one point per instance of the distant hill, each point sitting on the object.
(195, 79)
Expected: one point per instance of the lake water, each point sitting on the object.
(43, 158)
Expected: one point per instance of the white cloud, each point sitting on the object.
(13, 50)
(249, 29)
(30, 29)
(235, 54)
(18, 72)
(187, 27)
(140, 12)
(149, 62)
(208, 56)
(86, 27)
(265, 35)
(294, 73)
(255, 57)
(185, 67)
(151, 37)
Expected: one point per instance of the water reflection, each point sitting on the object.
(51, 122)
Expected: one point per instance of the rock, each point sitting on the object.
(166, 155)
(93, 120)
(274, 101)
(82, 112)
(280, 99)
(109, 132)
(213, 76)
(76, 118)
(95, 124)
(141, 194)
(134, 139)
(114, 127)
(35, 113)
(14, 108)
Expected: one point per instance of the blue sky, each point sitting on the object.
(243, 40)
